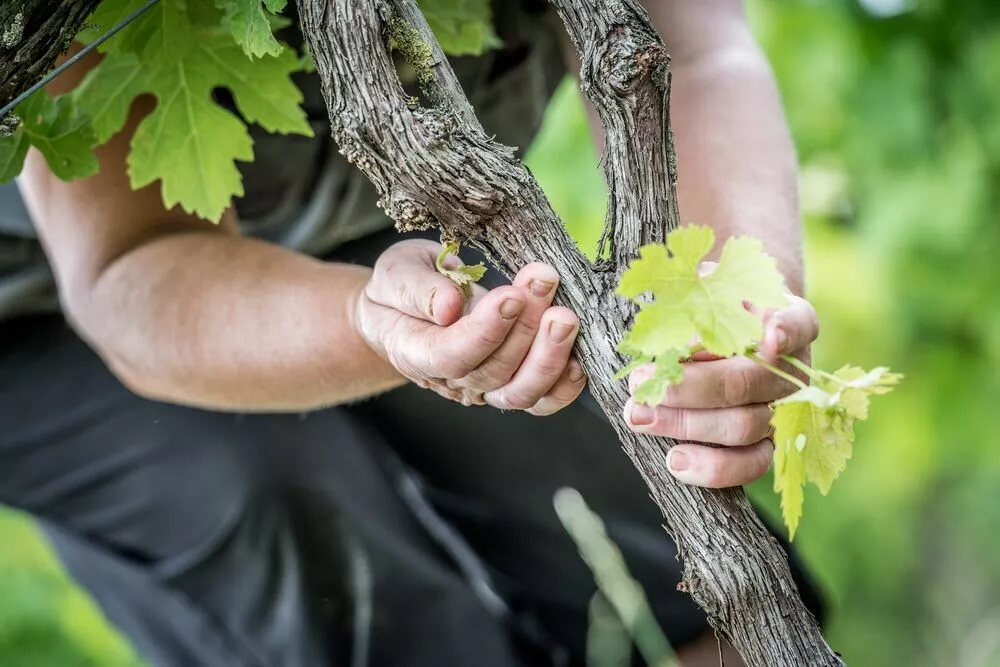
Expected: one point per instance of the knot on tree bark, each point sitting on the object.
(408, 213)
(623, 61)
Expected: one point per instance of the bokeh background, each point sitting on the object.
(895, 109)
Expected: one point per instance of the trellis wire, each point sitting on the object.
(76, 58)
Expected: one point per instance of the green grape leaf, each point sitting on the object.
(637, 358)
(462, 27)
(814, 432)
(790, 478)
(107, 15)
(61, 132)
(251, 24)
(856, 387)
(107, 92)
(189, 142)
(464, 276)
(687, 303)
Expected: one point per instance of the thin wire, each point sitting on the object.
(76, 58)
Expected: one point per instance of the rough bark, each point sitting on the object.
(437, 167)
(33, 33)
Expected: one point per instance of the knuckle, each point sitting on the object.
(741, 428)
(677, 424)
(491, 375)
(447, 364)
(549, 366)
(764, 458)
(737, 385)
(489, 334)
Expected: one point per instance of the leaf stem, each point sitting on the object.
(777, 371)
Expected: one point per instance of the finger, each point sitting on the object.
(718, 468)
(544, 365)
(732, 427)
(539, 283)
(565, 391)
(455, 351)
(725, 383)
(405, 279)
(789, 329)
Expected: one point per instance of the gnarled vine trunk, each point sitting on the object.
(435, 166)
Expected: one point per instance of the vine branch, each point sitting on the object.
(435, 166)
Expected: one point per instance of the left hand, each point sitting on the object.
(725, 402)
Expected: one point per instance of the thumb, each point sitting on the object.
(406, 280)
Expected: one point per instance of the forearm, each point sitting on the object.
(226, 322)
(736, 162)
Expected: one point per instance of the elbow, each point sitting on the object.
(89, 311)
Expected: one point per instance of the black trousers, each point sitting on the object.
(405, 531)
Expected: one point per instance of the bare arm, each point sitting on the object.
(737, 174)
(189, 312)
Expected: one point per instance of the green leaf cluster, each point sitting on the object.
(814, 431)
(693, 306)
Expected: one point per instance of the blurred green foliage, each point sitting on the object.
(897, 122)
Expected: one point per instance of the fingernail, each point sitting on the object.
(430, 302)
(540, 288)
(642, 415)
(559, 331)
(575, 373)
(511, 308)
(677, 461)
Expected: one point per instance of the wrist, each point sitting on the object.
(371, 352)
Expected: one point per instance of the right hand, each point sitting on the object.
(508, 347)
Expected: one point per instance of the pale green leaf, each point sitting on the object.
(659, 328)
(688, 305)
(668, 371)
(814, 432)
(464, 276)
(789, 479)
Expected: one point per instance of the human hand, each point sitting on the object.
(508, 347)
(725, 402)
